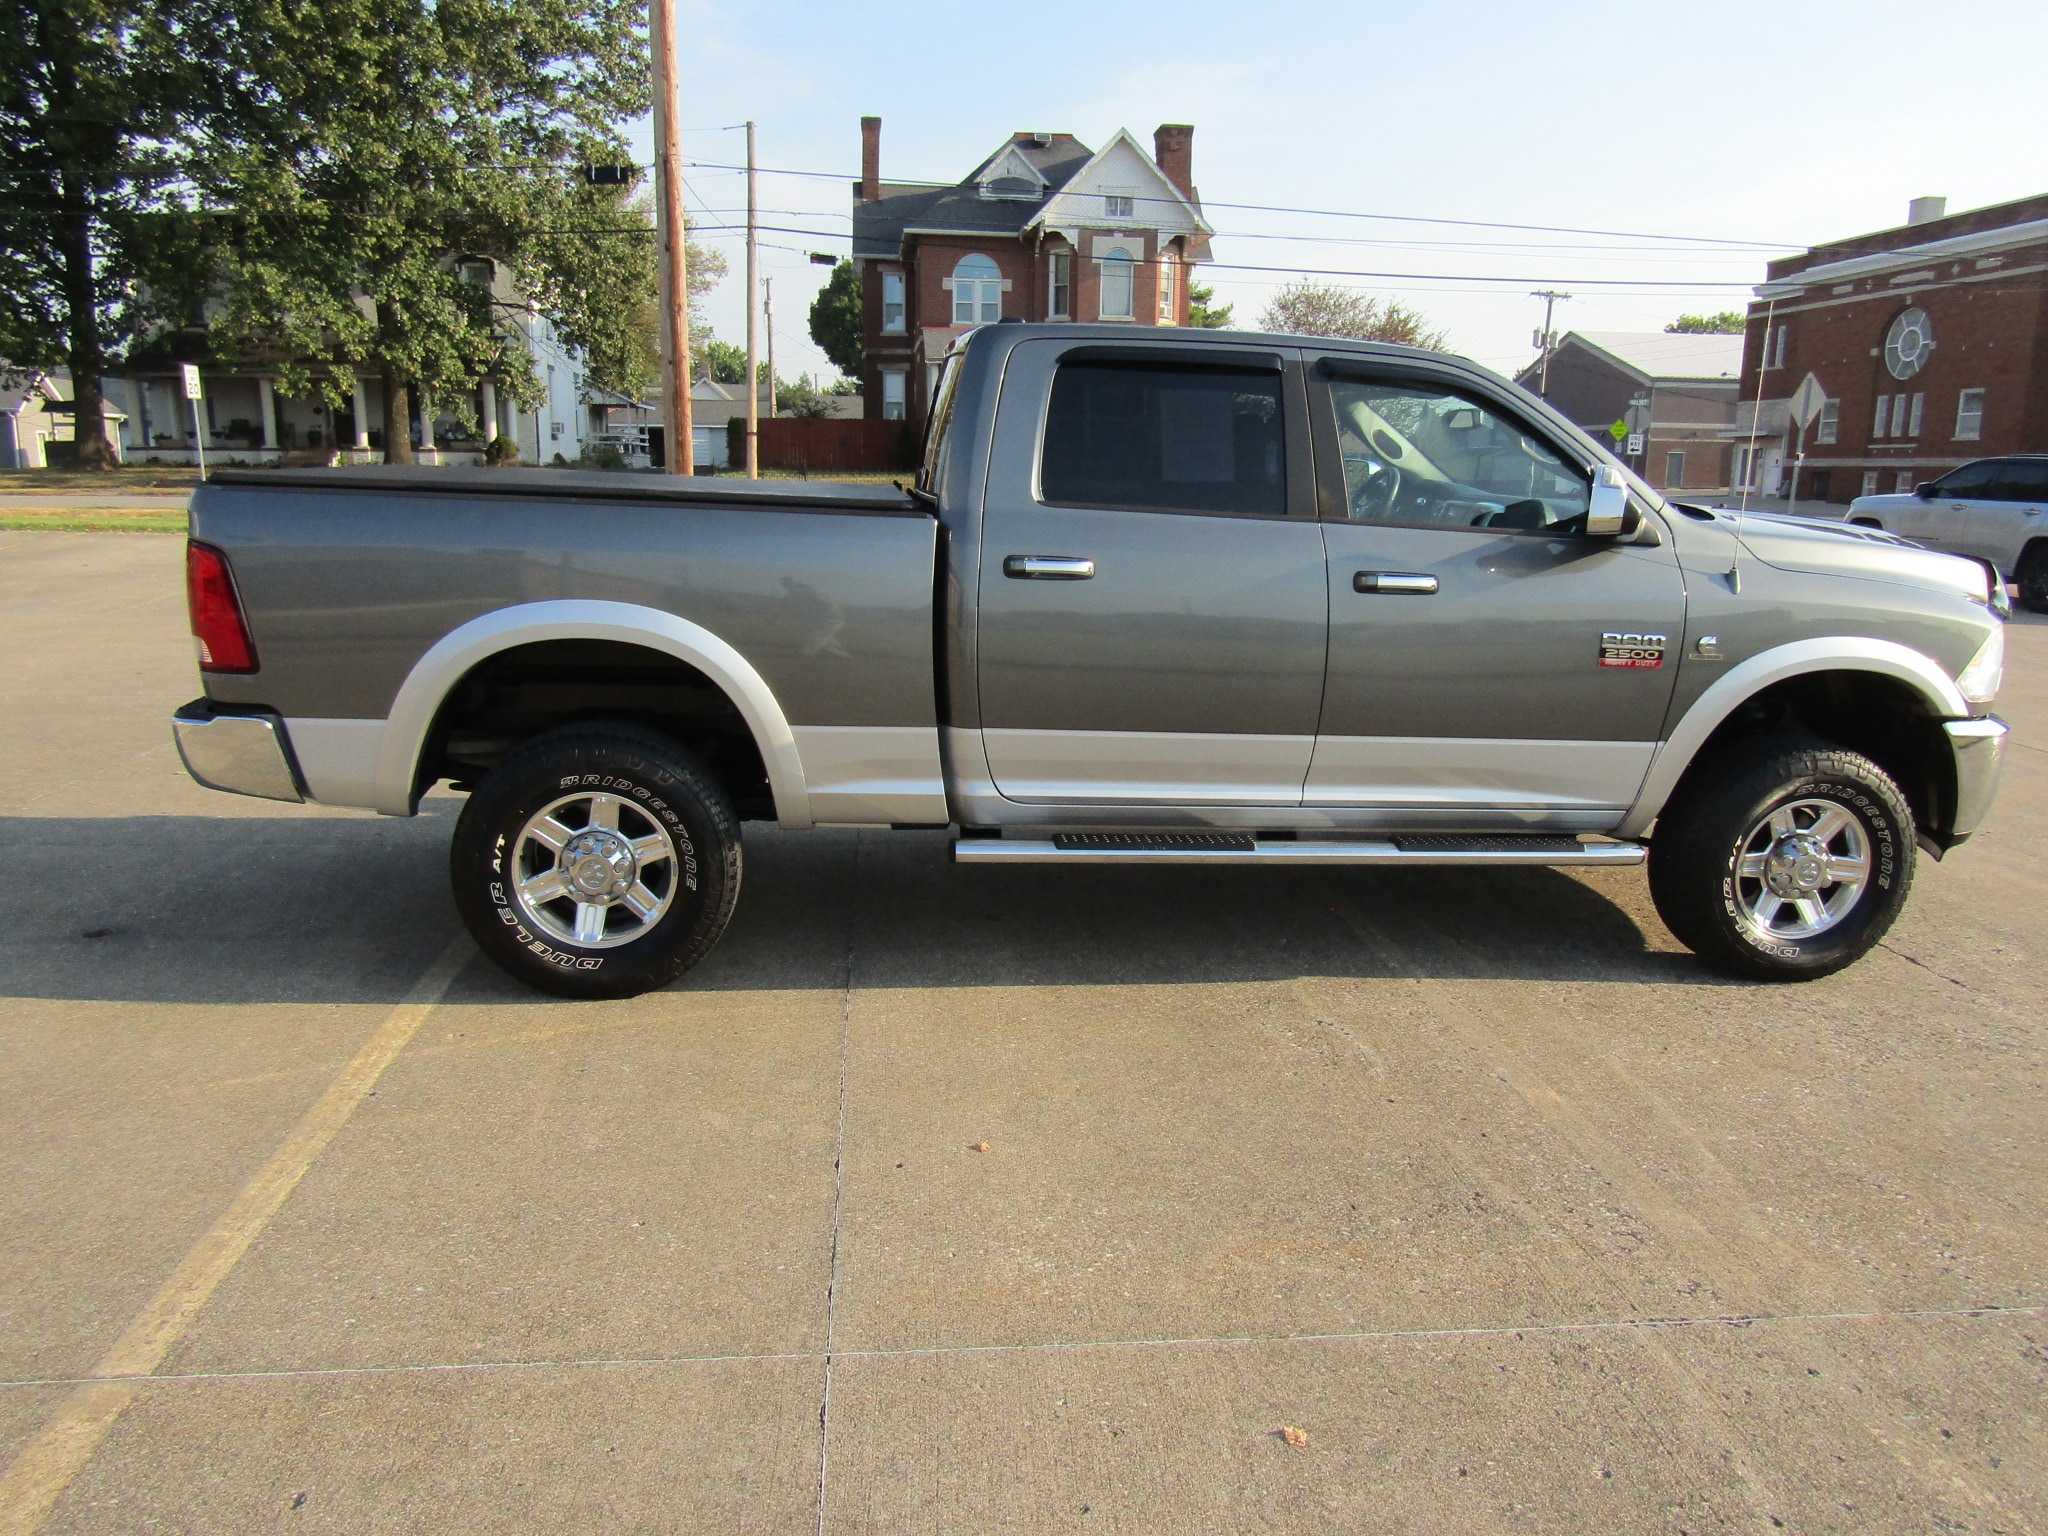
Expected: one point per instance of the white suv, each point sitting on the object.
(1994, 509)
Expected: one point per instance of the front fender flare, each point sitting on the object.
(456, 653)
(1833, 653)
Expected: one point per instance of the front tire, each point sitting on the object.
(1781, 862)
(597, 861)
(2033, 578)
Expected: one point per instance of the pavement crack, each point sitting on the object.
(1930, 970)
(838, 1193)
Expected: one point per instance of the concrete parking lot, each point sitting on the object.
(1474, 1180)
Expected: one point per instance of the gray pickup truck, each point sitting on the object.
(1155, 597)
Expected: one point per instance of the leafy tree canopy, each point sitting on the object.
(1309, 308)
(1730, 322)
(1203, 309)
(91, 92)
(836, 319)
(800, 397)
(389, 184)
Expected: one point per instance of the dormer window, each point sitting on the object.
(1012, 177)
(1013, 188)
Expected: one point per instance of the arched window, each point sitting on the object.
(1119, 274)
(977, 291)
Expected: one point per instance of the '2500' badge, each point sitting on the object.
(1629, 650)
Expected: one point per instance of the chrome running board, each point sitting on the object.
(1245, 848)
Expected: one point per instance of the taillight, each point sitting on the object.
(223, 638)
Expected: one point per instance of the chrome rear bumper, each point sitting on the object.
(244, 754)
(1978, 745)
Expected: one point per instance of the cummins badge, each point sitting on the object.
(1630, 650)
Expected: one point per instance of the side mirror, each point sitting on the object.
(1608, 514)
(1925, 490)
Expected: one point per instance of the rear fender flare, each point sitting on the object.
(456, 653)
(1843, 653)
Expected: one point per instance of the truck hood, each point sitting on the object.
(1824, 548)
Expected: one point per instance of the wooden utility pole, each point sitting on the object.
(769, 320)
(673, 234)
(753, 340)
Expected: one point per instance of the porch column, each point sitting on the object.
(266, 410)
(360, 407)
(487, 408)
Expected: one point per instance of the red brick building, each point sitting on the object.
(1930, 341)
(1044, 229)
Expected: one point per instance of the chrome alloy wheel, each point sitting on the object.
(1802, 869)
(594, 870)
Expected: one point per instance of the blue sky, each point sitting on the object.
(1789, 122)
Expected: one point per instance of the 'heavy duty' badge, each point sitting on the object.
(1621, 650)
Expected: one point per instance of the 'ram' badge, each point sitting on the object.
(1630, 650)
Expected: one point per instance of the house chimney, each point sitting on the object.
(1173, 146)
(1925, 210)
(871, 159)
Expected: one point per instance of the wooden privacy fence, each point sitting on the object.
(824, 446)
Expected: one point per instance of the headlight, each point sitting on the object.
(1980, 679)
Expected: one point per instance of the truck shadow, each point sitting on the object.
(304, 907)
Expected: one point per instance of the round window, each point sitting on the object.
(1908, 343)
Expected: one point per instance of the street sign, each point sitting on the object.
(1806, 402)
(1618, 431)
(190, 372)
(1635, 444)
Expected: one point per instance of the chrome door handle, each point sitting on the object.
(1049, 567)
(1414, 583)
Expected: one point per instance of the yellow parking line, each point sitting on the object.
(46, 1466)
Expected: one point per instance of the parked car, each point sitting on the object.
(1170, 598)
(1993, 509)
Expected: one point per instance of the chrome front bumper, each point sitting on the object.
(1978, 745)
(243, 754)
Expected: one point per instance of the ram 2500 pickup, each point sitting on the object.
(1160, 597)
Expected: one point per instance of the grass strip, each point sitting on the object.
(94, 519)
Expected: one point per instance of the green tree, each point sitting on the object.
(725, 362)
(800, 397)
(1203, 309)
(87, 93)
(1310, 308)
(836, 319)
(392, 182)
(1729, 322)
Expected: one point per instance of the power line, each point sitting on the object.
(1331, 213)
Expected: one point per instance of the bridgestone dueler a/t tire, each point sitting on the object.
(1699, 839)
(660, 781)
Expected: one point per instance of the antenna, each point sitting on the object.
(1763, 366)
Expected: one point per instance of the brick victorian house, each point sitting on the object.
(1043, 229)
(1930, 341)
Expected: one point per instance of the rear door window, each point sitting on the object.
(1159, 437)
(2022, 480)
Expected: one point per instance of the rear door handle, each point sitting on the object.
(1049, 567)
(1414, 583)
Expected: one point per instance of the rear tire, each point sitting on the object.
(2033, 578)
(1782, 862)
(597, 861)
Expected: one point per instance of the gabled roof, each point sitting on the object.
(1164, 199)
(18, 385)
(933, 208)
(1661, 356)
